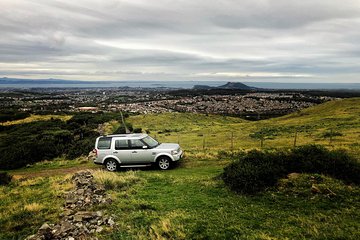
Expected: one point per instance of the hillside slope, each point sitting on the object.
(339, 119)
(190, 201)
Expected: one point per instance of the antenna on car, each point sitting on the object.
(127, 131)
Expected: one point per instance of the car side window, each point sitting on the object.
(104, 143)
(136, 143)
(121, 144)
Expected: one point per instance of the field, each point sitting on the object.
(34, 118)
(335, 124)
(191, 201)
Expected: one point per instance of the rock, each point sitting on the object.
(45, 232)
(99, 229)
(80, 191)
(99, 213)
(76, 222)
(111, 222)
(44, 227)
(293, 175)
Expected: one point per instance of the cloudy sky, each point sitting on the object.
(237, 40)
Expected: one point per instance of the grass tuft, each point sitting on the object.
(116, 181)
(34, 207)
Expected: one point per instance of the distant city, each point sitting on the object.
(231, 99)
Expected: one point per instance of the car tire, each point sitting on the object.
(164, 163)
(111, 165)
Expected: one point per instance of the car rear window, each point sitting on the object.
(104, 143)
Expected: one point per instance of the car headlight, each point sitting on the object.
(174, 152)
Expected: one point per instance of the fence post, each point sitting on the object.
(295, 137)
(203, 142)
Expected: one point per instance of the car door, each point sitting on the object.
(122, 151)
(139, 154)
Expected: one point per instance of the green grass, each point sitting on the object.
(34, 118)
(25, 205)
(197, 132)
(191, 201)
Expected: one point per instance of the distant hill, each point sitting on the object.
(235, 85)
(6, 80)
(228, 85)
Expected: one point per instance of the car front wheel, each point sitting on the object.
(164, 163)
(111, 165)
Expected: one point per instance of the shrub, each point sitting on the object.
(254, 172)
(5, 178)
(257, 170)
(137, 130)
(331, 134)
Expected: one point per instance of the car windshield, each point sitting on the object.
(150, 141)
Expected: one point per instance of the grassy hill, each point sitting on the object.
(190, 201)
(313, 125)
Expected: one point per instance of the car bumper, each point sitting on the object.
(179, 156)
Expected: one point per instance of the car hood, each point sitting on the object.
(170, 146)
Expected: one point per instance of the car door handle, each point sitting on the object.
(115, 152)
(134, 152)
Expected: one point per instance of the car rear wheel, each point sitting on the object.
(164, 163)
(111, 165)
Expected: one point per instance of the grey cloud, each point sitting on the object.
(179, 39)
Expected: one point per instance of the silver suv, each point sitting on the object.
(130, 150)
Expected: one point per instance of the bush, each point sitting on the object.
(5, 178)
(254, 172)
(257, 170)
(137, 130)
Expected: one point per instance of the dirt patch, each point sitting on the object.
(52, 172)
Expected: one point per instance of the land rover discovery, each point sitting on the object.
(134, 150)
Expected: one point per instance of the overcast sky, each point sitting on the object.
(231, 40)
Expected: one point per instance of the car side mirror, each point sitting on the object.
(144, 147)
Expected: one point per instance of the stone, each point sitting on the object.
(65, 226)
(111, 222)
(99, 213)
(44, 227)
(76, 222)
(293, 175)
(78, 218)
(80, 191)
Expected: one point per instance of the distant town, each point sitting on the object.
(242, 102)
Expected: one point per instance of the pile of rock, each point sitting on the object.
(76, 221)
